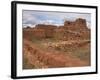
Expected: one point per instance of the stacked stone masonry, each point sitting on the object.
(70, 30)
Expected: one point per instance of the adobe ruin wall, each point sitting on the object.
(71, 30)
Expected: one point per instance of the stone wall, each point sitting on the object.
(73, 30)
(70, 31)
(40, 31)
(78, 24)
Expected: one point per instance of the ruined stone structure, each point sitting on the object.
(77, 25)
(48, 29)
(73, 30)
(70, 31)
(40, 31)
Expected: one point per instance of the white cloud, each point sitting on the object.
(28, 18)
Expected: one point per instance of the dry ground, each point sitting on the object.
(50, 53)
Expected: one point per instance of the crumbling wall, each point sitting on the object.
(70, 31)
(78, 24)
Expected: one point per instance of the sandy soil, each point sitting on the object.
(34, 57)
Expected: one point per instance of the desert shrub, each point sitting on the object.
(27, 65)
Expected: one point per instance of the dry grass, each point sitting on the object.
(27, 64)
(82, 52)
(72, 48)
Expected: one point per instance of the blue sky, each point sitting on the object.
(31, 17)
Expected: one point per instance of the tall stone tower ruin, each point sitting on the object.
(78, 24)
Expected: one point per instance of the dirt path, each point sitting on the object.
(45, 59)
